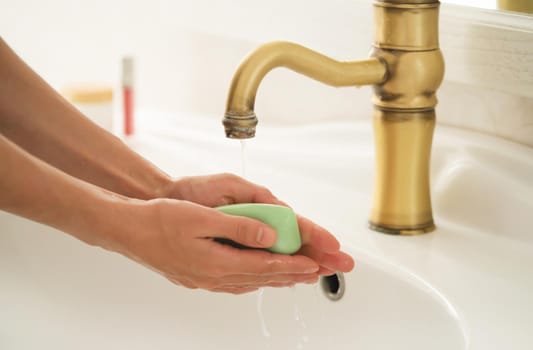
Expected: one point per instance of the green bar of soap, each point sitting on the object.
(281, 218)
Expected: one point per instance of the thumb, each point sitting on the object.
(245, 231)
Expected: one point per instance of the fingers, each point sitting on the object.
(242, 230)
(319, 248)
(245, 285)
(231, 261)
(239, 284)
(239, 190)
(316, 236)
(329, 262)
(221, 189)
(266, 281)
(324, 271)
(253, 233)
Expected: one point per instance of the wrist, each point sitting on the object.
(132, 225)
(136, 177)
(163, 188)
(112, 219)
(174, 188)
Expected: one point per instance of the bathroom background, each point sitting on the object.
(186, 52)
(464, 287)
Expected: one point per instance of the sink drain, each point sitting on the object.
(333, 286)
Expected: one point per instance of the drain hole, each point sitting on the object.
(333, 286)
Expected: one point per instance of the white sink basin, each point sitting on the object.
(465, 286)
(58, 294)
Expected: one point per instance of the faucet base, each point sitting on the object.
(404, 231)
(402, 203)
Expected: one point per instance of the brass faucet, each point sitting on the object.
(406, 68)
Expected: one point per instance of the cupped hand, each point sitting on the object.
(222, 189)
(176, 238)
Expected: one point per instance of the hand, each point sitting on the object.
(215, 190)
(176, 238)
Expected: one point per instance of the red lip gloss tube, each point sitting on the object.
(127, 95)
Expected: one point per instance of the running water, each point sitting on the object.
(301, 332)
(301, 327)
(264, 328)
(260, 293)
(243, 158)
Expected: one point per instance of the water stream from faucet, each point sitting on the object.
(243, 158)
(301, 334)
(301, 327)
(260, 294)
(260, 298)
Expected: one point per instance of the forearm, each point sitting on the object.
(33, 189)
(39, 120)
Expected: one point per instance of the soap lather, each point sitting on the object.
(281, 218)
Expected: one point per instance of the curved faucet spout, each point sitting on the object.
(240, 119)
(406, 70)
